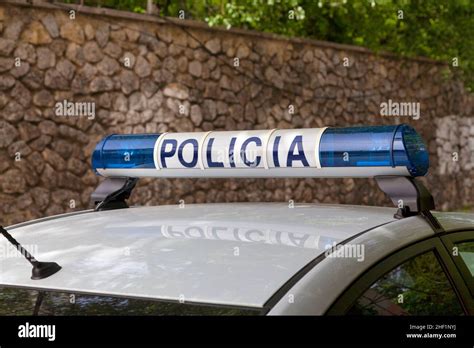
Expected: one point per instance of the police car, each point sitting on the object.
(247, 258)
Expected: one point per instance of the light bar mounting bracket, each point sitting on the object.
(411, 197)
(112, 193)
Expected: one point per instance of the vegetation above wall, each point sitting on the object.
(441, 30)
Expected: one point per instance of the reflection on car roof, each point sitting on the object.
(202, 253)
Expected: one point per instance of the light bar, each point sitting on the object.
(315, 152)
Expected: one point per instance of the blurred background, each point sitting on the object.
(156, 66)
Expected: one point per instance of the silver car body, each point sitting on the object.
(239, 254)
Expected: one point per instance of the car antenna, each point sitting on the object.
(40, 269)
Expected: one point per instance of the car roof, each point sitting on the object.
(320, 283)
(233, 253)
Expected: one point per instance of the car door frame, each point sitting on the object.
(449, 240)
(346, 300)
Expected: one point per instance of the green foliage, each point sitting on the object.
(16, 301)
(438, 29)
(138, 6)
(419, 283)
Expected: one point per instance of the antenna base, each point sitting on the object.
(43, 270)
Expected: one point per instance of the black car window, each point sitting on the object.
(19, 301)
(14, 301)
(417, 287)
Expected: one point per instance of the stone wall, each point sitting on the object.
(183, 76)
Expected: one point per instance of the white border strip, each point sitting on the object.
(201, 149)
(326, 172)
(156, 149)
(265, 147)
(318, 143)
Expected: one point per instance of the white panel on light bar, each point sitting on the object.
(315, 152)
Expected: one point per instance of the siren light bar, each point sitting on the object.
(370, 151)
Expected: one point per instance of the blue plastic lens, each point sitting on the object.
(374, 146)
(125, 151)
